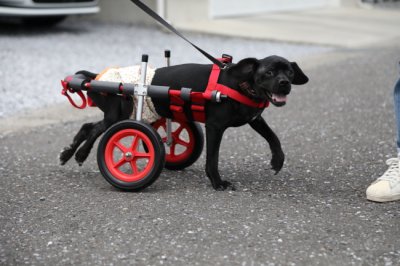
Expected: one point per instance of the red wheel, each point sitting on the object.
(187, 143)
(131, 155)
(117, 155)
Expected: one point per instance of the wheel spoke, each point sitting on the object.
(172, 150)
(142, 155)
(119, 163)
(134, 167)
(178, 131)
(182, 142)
(120, 146)
(162, 125)
(135, 143)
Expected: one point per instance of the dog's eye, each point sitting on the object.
(290, 73)
(269, 73)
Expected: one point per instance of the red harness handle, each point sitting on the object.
(80, 93)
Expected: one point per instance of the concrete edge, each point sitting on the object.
(33, 118)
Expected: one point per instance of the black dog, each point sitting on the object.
(268, 79)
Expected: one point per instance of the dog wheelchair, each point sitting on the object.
(131, 154)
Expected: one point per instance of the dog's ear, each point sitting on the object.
(245, 69)
(299, 77)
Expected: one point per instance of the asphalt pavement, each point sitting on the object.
(336, 132)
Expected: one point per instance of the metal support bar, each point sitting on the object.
(141, 90)
(167, 54)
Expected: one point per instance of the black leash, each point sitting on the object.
(154, 15)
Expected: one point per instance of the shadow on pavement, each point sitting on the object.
(17, 27)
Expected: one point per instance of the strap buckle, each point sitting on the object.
(225, 66)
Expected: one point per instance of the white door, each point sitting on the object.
(232, 8)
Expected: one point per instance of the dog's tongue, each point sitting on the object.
(279, 98)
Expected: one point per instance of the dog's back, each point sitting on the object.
(194, 76)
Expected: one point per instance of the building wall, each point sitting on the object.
(195, 10)
(180, 11)
(124, 11)
(350, 3)
(191, 10)
(231, 8)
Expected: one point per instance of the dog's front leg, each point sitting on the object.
(213, 139)
(278, 157)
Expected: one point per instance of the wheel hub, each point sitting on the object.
(129, 156)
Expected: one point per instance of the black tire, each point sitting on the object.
(198, 144)
(140, 132)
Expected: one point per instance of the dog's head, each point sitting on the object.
(267, 79)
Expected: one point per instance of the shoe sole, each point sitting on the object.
(384, 199)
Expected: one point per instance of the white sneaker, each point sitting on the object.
(386, 187)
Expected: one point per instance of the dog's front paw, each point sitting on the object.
(223, 185)
(81, 156)
(65, 155)
(277, 161)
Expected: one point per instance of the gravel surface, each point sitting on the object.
(336, 132)
(34, 60)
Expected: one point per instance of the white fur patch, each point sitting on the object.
(131, 74)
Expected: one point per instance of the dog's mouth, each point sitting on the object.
(277, 99)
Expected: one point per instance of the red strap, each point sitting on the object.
(237, 96)
(231, 93)
(80, 93)
(213, 80)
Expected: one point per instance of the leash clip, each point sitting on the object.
(225, 66)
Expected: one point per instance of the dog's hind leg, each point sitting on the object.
(80, 137)
(117, 109)
(83, 152)
(84, 132)
(278, 157)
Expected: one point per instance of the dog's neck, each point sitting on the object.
(250, 90)
(246, 88)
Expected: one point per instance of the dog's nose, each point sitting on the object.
(283, 82)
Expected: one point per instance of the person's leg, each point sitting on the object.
(387, 187)
(397, 113)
